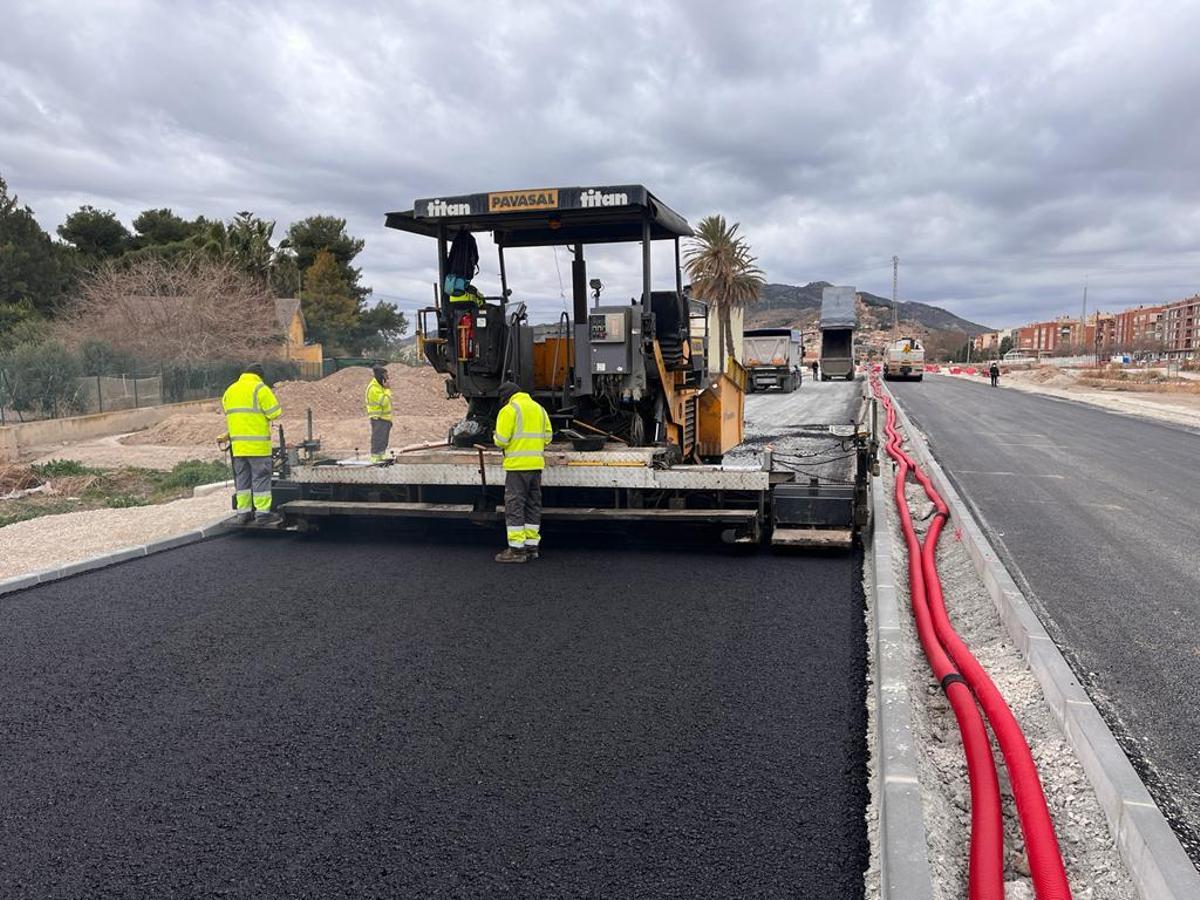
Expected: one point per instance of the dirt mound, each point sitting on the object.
(416, 391)
(421, 412)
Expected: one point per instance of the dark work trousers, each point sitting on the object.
(995, 378)
(523, 508)
(380, 432)
(252, 479)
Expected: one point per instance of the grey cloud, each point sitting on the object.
(1003, 150)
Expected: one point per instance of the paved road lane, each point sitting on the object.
(1098, 515)
(262, 716)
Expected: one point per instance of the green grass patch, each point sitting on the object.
(110, 488)
(194, 472)
(61, 468)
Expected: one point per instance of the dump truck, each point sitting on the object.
(839, 318)
(905, 359)
(641, 425)
(773, 358)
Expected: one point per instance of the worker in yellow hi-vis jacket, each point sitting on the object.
(250, 407)
(379, 413)
(522, 431)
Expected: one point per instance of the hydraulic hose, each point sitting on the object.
(985, 870)
(1045, 857)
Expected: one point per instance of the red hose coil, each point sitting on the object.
(1045, 857)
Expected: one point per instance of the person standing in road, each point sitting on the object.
(522, 431)
(994, 373)
(379, 413)
(250, 407)
(814, 370)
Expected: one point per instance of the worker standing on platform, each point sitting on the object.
(250, 407)
(522, 431)
(379, 413)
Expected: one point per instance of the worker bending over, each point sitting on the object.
(250, 407)
(522, 431)
(379, 413)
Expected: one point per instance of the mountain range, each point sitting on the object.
(780, 302)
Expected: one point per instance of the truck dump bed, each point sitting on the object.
(837, 308)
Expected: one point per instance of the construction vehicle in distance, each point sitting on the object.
(774, 359)
(641, 423)
(839, 318)
(905, 359)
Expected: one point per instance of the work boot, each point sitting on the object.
(245, 518)
(531, 552)
(269, 520)
(512, 555)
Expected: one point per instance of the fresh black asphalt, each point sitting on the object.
(1099, 515)
(376, 715)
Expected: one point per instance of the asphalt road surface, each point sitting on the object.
(368, 715)
(1098, 516)
(807, 428)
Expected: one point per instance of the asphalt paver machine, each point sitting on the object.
(636, 370)
(642, 417)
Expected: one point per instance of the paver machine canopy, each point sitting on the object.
(637, 371)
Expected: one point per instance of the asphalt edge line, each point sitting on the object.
(904, 872)
(45, 576)
(1157, 863)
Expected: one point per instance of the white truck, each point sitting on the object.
(905, 360)
(774, 358)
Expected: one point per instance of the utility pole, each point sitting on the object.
(895, 308)
(1083, 317)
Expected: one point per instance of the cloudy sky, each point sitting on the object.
(1006, 151)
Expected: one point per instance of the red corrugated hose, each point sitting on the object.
(965, 681)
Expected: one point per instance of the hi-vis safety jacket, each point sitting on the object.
(249, 409)
(379, 401)
(522, 431)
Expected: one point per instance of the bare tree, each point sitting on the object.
(197, 310)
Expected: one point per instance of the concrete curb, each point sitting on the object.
(904, 872)
(203, 490)
(1157, 863)
(32, 579)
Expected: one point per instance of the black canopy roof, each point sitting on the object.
(547, 216)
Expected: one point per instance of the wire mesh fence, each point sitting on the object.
(29, 395)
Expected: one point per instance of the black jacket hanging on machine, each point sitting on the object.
(462, 262)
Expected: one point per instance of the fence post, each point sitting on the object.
(99, 396)
(135, 396)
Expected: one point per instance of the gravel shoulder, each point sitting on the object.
(59, 540)
(1178, 409)
(1093, 863)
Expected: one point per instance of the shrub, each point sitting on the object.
(99, 358)
(124, 501)
(60, 468)
(193, 472)
(41, 377)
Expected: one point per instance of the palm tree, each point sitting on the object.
(722, 271)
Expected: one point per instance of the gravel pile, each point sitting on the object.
(1093, 864)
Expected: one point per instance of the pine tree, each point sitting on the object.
(330, 308)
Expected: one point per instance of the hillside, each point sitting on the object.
(789, 304)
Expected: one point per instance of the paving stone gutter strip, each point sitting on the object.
(1156, 861)
(20, 582)
(904, 872)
